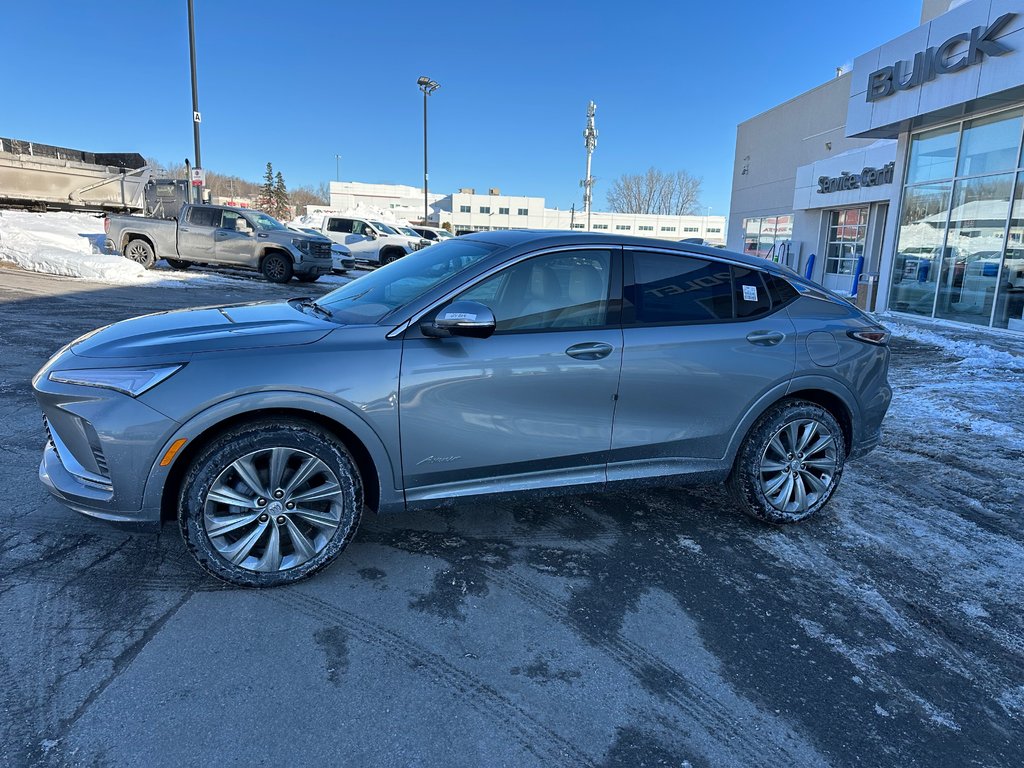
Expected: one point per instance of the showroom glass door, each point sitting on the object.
(847, 234)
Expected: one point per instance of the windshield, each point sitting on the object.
(264, 222)
(409, 232)
(384, 228)
(368, 298)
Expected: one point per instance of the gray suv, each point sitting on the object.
(496, 362)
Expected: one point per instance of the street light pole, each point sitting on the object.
(337, 167)
(196, 117)
(428, 86)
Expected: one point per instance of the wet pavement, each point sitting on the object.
(618, 629)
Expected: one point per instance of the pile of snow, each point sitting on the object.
(314, 216)
(66, 244)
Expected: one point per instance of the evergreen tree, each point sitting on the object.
(281, 201)
(266, 197)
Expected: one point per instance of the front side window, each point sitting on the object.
(229, 218)
(557, 291)
(679, 289)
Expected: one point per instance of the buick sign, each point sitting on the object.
(954, 54)
(869, 177)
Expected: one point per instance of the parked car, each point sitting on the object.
(408, 231)
(341, 257)
(221, 235)
(497, 362)
(369, 240)
(434, 234)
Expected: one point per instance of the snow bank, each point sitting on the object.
(315, 215)
(66, 244)
(973, 353)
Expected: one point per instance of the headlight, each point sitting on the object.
(302, 244)
(131, 381)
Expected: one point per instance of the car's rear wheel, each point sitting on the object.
(178, 263)
(141, 253)
(277, 267)
(268, 504)
(790, 463)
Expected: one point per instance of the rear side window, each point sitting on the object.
(752, 298)
(339, 225)
(205, 217)
(678, 289)
(780, 290)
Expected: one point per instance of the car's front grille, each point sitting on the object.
(320, 249)
(49, 435)
(101, 460)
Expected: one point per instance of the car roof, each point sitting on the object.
(542, 238)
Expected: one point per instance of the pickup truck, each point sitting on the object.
(224, 236)
(369, 239)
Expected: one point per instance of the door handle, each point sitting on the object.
(765, 338)
(184, 229)
(589, 350)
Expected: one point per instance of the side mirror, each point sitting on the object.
(241, 225)
(461, 318)
(370, 234)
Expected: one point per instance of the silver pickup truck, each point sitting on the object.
(221, 235)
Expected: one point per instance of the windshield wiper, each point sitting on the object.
(309, 303)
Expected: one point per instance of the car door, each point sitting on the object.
(702, 342)
(195, 236)
(530, 406)
(232, 246)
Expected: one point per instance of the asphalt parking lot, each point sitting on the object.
(616, 630)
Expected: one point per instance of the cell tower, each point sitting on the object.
(590, 140)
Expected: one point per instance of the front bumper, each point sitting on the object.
(101, 449)
(310, 266)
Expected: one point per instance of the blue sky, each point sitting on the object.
(296, 83)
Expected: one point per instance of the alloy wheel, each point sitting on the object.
(273, 509)
(799, 465)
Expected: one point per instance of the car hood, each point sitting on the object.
(184, 332)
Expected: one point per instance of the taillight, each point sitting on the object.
(874, 335)
(106, 225)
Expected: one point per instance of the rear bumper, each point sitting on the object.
(90, 500)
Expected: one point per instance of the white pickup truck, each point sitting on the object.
(369, 239)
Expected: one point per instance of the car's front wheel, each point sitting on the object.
(268, 504)
(790, 463)
(277, 268)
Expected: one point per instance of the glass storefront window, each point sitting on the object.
(960, 248)
(919, 245)
(1010, 299)
(847, 232)
(990, 145)
(974, 248)
(932, 155)
(762, 235)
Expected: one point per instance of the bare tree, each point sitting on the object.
(655, 192)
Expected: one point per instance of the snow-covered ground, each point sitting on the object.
(71, 245)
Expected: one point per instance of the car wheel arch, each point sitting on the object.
(371, 456)
(821, 390)
(127, 237)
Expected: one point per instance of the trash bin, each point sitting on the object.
(867, 289)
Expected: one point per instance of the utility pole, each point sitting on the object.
(428, 86)
(337, 167)
(196, 116)
(590, 141)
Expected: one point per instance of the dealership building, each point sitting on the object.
(903, 175)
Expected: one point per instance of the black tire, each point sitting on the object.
(277, 267)
(307, 278)
(248, 443)
(761, 463)
(391, 255)
(178, 263)
(140, 252)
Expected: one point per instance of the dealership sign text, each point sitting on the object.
(868, 177)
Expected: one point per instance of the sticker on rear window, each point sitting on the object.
(750, 293)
